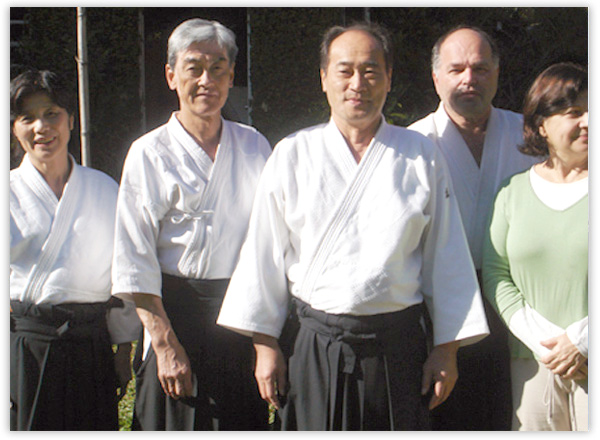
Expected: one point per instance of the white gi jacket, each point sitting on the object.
(61, 250)
(179, 213)
(362, 239)
(476, 186)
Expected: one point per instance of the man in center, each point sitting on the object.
(355, 223)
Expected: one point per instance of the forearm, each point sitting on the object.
(270, 370)
(173, 365)
(154, 318)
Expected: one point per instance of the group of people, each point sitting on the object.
(357, 276)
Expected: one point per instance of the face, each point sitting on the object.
(202, 78)
(356, 81)
(43, 130)
(466, 77)
(567, 132)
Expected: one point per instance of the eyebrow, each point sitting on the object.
(366, 63)
(199, 60)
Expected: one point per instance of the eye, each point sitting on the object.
(574, 112)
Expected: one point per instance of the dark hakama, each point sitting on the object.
(222, 363)
(62, 374)
(481, 399)
(357, 372)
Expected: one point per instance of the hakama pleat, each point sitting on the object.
(357, 372)
(61, 368)
(227, 396)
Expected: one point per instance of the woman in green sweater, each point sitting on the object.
(535, 265)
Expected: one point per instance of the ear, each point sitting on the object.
(170, 76)
(71, 122)
(389, 74)
(435, 81)
(323, 75)
(542, 130)
(231, 75)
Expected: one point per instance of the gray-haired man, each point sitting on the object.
(182, 214)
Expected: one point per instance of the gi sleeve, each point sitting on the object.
(139, 208)
(578, 335)
(449, 282)
(124, 325)
(257, 297)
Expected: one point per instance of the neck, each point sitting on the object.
(358, 139)
(56, 174)
(563, 170)
(206, 131)
(472, 129)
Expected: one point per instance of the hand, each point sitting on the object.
(122, 359)
(173, 365)
(271, 369)
(174, 370)
(564, 358)
(440, 371)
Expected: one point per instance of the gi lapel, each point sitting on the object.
(62, 225)
(198, 250)
(346, 207)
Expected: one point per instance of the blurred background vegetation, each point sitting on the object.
(277, 71)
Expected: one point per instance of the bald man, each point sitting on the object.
(479, 143)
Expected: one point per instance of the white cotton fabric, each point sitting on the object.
(476, 186)
(531, 328)
(558, 196)
(180, 213)
(359, 239)
(61, 250)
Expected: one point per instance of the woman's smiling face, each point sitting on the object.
(43, 130)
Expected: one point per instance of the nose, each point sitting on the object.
(468, 76)
(204, 78)
(584, 120)
(357, 82)
(40, 125)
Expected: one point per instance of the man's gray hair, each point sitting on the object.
(435, 52)
(197, 30)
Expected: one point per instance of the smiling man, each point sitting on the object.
(355, 223)
(479, 143)
(182, 214)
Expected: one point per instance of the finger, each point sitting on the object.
(438, 395)
(268, 393)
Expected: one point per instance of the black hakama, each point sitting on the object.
(62, 373)
(222, 364)
(357, 372)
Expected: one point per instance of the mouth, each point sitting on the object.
(356, 101)
(469, 94)
(43, 143)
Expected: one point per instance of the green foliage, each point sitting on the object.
(113, 49)
(285, 68)
(284, 59)
(127, 402)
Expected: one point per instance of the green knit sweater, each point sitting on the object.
(536, 255)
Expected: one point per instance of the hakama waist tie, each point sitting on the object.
(373, 368)
(62, 370)
(68, 321)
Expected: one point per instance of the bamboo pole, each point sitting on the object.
(82, 71)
